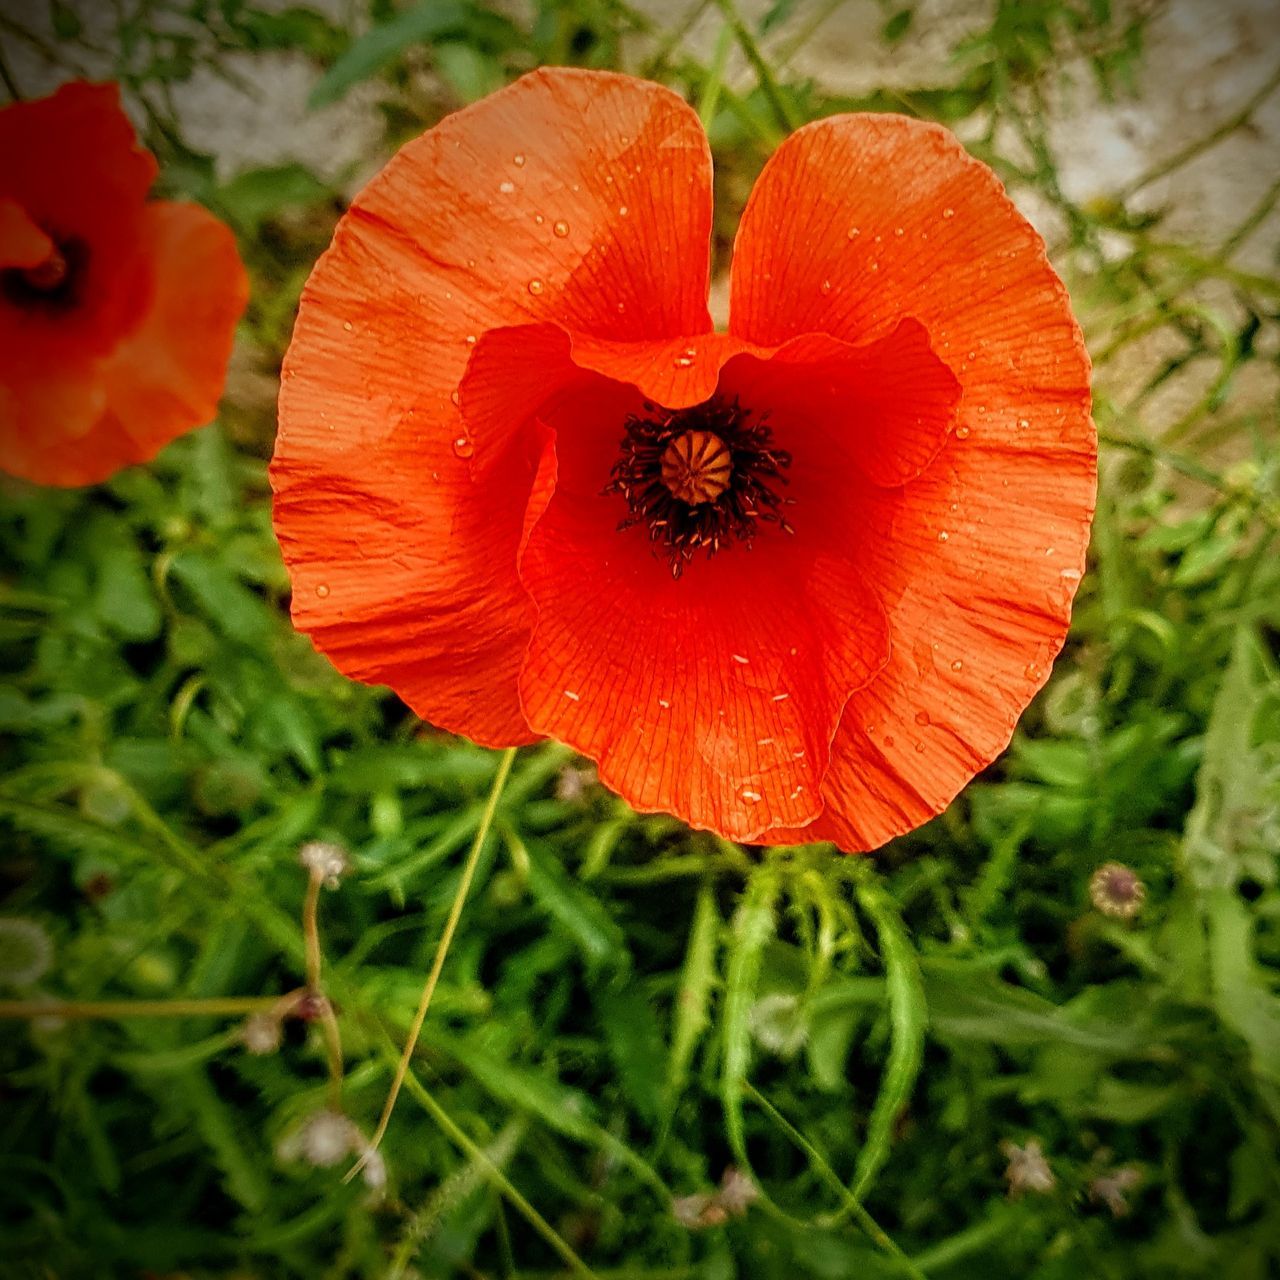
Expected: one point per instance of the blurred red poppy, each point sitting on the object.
(791, 582)
(116, 315)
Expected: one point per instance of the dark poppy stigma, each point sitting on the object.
(700, 478)
(52, 285)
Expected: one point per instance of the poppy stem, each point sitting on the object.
(442, 951)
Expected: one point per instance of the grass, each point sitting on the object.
(650, 1054)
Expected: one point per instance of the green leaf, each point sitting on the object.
(897, 26)
(908, 1018)
(693, 997)
(469, 72)
(634, 1041)
(574, 909)
(1241, 994)
(386, 41)
(753, 925)
(252, 197)
(1233, 829)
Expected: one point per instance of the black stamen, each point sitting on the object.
(666, 453)
(54, 286)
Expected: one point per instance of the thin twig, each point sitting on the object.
(442, 950)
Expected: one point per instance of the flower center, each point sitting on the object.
(704, 477)
(697, 467)
(52, 285)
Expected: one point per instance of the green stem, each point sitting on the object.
(852, 1206)
(442, 950)
(85, 1010)
(786, 117)
(492, 1173)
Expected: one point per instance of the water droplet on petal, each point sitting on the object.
(922, 717)
(948, 213)
(752, 797)
(519, 161)
(686, 358)
(539, 219)
(899, 231)
(826, 286)
(471, 339)
(455, 397)
(962, 432)
(957, 665)
(1023, 424)
(347, 325)
(854, 233)
(737, 657)
(463, 447)
(943, 535)
(781, 697)
(1032, 671)
(888, 740)
(622, 210)
(506, 187)
(664, 704)
(561, 229)
(322, 590)
(535, 287)
(573, 697)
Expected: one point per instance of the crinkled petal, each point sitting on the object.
(860, 222)
(571, 196)
(713, 697)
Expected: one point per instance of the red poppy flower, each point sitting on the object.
(116, 316)
(794, 581)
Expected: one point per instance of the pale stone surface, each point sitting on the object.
(1203, 60)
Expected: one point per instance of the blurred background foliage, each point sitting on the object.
(1038, 1038)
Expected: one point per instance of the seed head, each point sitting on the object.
(1116, 891)
(323, 1139)
(1112, 1187)
(1027, 1170)
(261, 1034)
(325, 861)
(26, 952)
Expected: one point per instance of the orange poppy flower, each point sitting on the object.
(791, 582)
(116, 316)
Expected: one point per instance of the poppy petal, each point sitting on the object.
(22, 243)
(714, 697)
(578, 197)
(978, 559)
(165, 377)
(91, 199)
